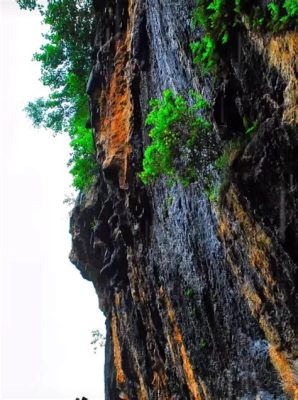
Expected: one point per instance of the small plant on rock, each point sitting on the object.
(216, 18)
(284, 16)
(203, 344)
(189, 292)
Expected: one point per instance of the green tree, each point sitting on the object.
(27, 4)
(65, 60)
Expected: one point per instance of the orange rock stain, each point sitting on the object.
(282, 365)
(258, 248)
(257, 242)
(178, 340)
(141, 389)
(120, 376)
(283, 55)
(281, 52)
(117, 299)
(116, 114)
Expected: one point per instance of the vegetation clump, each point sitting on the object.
(181, 139)
(189, 292)
(283, 16)
(203, 344)
(98, 340)
(65, 59)
(214, 17)
(220, 20)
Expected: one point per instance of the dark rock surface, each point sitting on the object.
(201, 303)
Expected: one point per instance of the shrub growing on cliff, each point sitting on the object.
(65, 62)
(284, 16)
(181, 139)
(213, 16)
(221, 18)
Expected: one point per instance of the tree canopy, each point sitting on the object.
(65, 59)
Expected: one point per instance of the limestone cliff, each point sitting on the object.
(201, 301)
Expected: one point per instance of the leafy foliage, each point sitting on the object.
(189, 292)
(27, 4)
(181, 139)
(65, 61)
(98, 340)
(214, 16)
(205, 54)
(251, 130)
(203, 344)
(220, 18)
(283, 17)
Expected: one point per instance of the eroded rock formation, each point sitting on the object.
(201, 302)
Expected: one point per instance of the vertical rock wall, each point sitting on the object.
(201, 303)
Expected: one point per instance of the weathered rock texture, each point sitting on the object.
(201, 303)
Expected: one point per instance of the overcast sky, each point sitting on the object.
(47, 310)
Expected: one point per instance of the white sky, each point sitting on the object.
(47, 310)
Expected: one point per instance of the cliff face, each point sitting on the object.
(201, 301)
